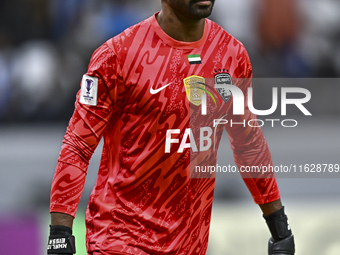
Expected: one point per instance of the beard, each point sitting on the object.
(193, 9)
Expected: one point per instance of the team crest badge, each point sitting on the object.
(194, 89)
(220, 79)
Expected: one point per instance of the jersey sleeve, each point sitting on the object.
(249, 144)
(85, 130)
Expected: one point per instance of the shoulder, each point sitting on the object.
(124, 40)
(215, 30)
(230, 47)
(113, 49)
(102, 58)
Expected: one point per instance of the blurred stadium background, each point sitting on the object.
(45, 46)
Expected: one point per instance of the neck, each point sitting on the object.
(179, 27)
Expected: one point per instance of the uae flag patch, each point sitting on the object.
(194, 59)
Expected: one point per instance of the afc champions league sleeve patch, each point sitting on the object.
(89, 88)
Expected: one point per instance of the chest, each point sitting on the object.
(173, 80)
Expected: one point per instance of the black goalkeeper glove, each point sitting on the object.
(282, 240)
(61, 241)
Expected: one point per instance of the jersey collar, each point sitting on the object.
(174, 43)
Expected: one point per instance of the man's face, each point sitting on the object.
(193, 9)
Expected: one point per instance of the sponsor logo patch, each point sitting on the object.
(89, 88)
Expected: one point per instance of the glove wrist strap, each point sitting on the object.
(61, 240)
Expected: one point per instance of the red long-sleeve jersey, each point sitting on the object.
(144, 93)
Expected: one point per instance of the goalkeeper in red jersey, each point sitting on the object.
(145, 93)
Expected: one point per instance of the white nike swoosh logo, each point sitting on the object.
(155, 91)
